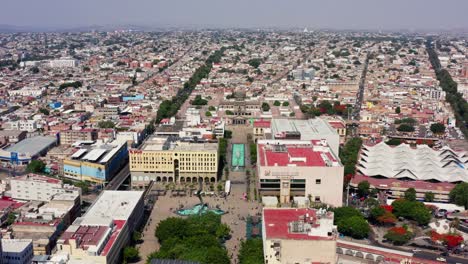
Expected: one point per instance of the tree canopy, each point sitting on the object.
(251, 252)
(36, 166)
(199, 101)
(196, 238)
(459, 194)
(438, 128)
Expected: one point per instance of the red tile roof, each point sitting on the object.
(336, 124)
(262, 123)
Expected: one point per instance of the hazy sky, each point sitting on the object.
(340, 14)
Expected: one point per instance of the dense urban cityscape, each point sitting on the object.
(229, 145)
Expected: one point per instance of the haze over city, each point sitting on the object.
(334, 14)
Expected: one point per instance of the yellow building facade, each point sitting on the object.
(185, 163)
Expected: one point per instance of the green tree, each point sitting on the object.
(251, 252)
(405, 128)
(285, 103)
(459, 194)
(199, 101)
(44, 111)
(106, 124)
(393, 142)
(345, 212)
(363, 188)
(277, 103)
(355, 227)
(10, 219)
(208, 114)
(36, 166)
(254, 63)
(229, 112)
(211, 108)
(136, 236)
(376, 212)
(429, 197)
(265, 107)
(438, 128)
(398, 110)
(410, 194)
(131, 254)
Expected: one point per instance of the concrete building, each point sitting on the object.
(27, 91)
(311, 129)
(44, 222)
(11, 136)
(101, 234)
(261, 128)
(97, 163)
(63, 63)
(26, 150)
(24, 125)
(394, 169)
(170, 159)
(289, 168)
(33, 187)
(292, 235)
(69, 137)
(16, 251)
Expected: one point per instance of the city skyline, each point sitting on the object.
(335, 14)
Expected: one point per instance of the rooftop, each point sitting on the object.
(111, 205)
(293, 153)
(298, 224)
(420, 163)
(37, 178)
(309, 129)
(32, 145)
(15, 245)
(262, 123)
(159, 143)
(98, 153)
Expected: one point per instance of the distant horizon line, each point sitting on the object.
(11, 28)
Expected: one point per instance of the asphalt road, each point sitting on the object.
(115, 183)
(433, 256)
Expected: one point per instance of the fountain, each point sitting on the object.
(200, 208)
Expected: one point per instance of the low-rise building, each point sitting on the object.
(167, 159)
(292, 235)
(69, 137)
(26, 150)
(98, 163)
(33, 187)
(311, 129)
(101, 234)
(16, 251)
(11, 136)
(289, 168)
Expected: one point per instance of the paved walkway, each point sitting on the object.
(238, 209)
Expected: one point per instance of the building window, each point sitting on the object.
(318, 181)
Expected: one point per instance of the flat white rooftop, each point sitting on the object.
(15, 245)
(111, 205)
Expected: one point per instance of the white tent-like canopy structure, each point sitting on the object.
(419, 163)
